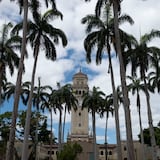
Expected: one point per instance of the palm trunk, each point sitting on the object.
(1, 79)
(64, 122)
(130, 147)
(60, 132)
(36, 136)
(106, 154)
(51, 138)
(10, 148)
(94, 135)
(29, 109)
(116, 107)
(141, 134)
(150, 121)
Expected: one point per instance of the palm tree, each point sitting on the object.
(106, 108)
(93, 100)
(141, 57)
(49, 104)
(40, 94)
(9, 90)
(69, 102)
(8, 56)
(10, 149)
(22, 4)
(57, 104)
(154, 76)
(116, 10)
(40, 33)
(130, 147)
(136, 86)
(104, 37)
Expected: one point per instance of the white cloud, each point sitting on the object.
(145, 15)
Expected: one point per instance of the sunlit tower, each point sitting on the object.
(80, 118)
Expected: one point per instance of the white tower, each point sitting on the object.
(79, 118)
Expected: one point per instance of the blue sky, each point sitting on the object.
(70, 59)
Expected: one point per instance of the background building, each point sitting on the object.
(80, 132)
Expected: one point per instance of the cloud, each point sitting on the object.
(69, 59)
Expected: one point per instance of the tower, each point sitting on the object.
(79, 118)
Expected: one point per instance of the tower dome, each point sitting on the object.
(80, 75)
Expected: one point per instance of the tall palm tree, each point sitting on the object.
(23, 4)
(40, 94)
(94, 101)
(130, 147)
(70, 102)
(8, 56)
(136, 86)
(57, 104)
(116, 10)
(141, 57)
(40, 33)
(104, 38)
(106, 109)
(10, 149)
(49, 104)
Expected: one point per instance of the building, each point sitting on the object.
(80, 132)
(79, 118)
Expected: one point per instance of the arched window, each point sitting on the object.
(102, 153)
(110, 152)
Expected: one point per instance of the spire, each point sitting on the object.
(80, 69)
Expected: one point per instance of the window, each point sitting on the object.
(125, 148)
(79, 125)
(101, 153)
(125, 158)
(51, 152)
(79, 113)
(110, 152)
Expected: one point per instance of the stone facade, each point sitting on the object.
(79, 118)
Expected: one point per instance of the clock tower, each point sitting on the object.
(79, 118)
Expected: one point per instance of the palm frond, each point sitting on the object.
(125, 18)
(52, 14)
(92, 22)
(150, 36)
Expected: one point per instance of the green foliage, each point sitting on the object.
(147, 139)
(44, 134)
(5, 122)
(42, 126)
(69, 152)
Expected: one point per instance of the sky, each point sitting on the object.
(71, 58)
